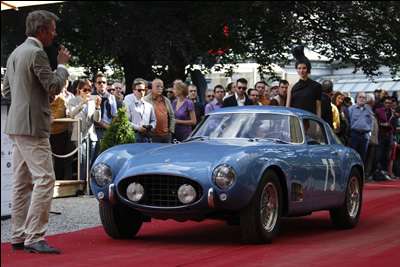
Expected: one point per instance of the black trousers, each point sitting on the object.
(58, 143)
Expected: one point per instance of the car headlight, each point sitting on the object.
(135, 192)
(186, 194)
(102, 174)
(224, 176)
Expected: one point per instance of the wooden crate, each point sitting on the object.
(66, 188)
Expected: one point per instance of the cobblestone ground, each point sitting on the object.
(68, 214)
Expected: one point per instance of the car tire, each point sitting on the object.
(346, 216)
(260, 220)
(120, 222)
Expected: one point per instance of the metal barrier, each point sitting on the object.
(79, 150)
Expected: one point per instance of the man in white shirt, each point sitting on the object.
(141, 114)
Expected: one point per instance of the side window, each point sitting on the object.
(314, 132)
(296, 134)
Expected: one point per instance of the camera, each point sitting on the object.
(148, 132)
(93, 97)
(148, 128)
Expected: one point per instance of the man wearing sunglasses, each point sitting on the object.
(108, 109)
(239, 98)
(141, 114)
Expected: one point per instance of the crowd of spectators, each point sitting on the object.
(159, 114)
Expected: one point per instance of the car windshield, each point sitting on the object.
(276, 127)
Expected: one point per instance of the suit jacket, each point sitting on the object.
(28, 82)
(231, 101)
(77, 111)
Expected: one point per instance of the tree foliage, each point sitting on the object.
(161, 38)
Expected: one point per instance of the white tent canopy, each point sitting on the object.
(5, 5)
(355, 85)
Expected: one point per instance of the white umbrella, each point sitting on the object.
(5, 5)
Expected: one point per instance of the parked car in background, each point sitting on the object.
(248, 165)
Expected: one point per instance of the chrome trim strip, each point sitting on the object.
(111, 193)
(211, 198)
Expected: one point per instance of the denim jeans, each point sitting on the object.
(141, 138)
(100, 133)
(383, 151)
(162, 138)
(92, 146)
(359, 142)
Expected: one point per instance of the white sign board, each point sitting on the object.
(6, 166)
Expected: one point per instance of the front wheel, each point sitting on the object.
(260, 220)
(346, 216)
(120, 222)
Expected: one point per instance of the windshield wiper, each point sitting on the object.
(276, 140)
(201, 137)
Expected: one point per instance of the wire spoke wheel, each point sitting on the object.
(346, 216)
(260, 220)
(353, 197)
(269, 207)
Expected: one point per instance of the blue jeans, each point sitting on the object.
(141, 138)
(162, 138)
(359, 142)
(383, 151)
(92, 146)
(100, 133)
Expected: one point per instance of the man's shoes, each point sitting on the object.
(17, 246)
(386, 176)
(369, 180)
(41, 247)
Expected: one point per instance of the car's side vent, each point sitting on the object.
(297, 192)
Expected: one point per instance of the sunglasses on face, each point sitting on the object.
(210, 96)
(242, 88)
(170, 92)
(101, 82)
(140, 90)
(86, 90)
(110, 90)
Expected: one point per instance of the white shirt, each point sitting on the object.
(239, 101)
(140, 113)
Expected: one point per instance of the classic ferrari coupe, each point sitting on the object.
(247, 165)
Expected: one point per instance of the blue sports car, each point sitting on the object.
(247, 165)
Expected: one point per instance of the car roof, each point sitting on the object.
(264, 109)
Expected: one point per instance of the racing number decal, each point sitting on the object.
(331, 163)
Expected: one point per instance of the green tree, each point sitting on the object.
(161, 38)
(119, 132)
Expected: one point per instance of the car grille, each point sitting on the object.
(160, 190)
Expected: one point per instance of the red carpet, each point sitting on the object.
(304, 241)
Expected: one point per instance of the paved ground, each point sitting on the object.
(304, 241)
(68, 214)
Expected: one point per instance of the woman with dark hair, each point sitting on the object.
(185, 115)
(306, 93)
(87, 108)
(338, 101)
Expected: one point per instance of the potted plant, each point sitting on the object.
(119, 132)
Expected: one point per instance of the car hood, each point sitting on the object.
(194, 159)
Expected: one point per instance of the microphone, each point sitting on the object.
(57, 45)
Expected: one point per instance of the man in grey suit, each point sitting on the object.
(28, 82)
